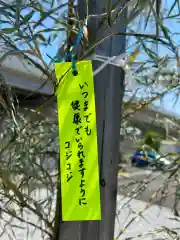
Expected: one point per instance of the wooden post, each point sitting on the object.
(109, 90)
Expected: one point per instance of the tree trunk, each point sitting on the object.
(109, 90)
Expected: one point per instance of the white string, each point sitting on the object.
(118, 61)
(106, 62)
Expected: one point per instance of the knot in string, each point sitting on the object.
(71, 54)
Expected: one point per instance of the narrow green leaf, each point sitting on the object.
(49, 40)
(41, 10)
(54, 36)
(51, 30)
(40, 36)
(164, 29)
(18, 13)
(108, 7)
(4, 22)
(8, 30)
(28, 17)
(172, 7)
(149, 52)
(52, 3)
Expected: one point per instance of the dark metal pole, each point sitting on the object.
(109, 90)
